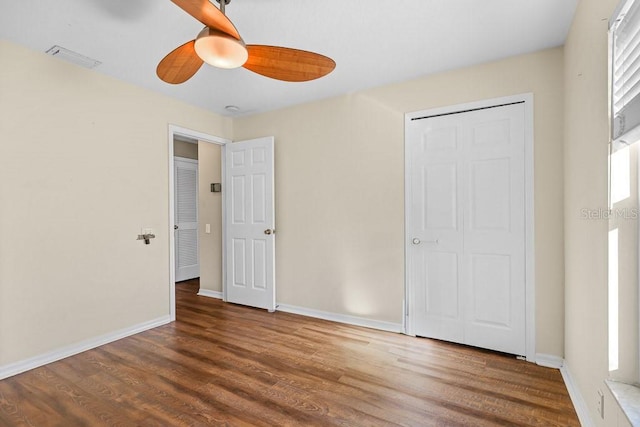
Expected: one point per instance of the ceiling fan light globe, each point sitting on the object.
(220, 49)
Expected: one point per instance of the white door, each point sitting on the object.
(186, 219)
(250, 223)
(466, 226)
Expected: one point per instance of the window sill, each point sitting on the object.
(628, 397)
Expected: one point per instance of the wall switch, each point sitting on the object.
(207, 228)
(600, 404)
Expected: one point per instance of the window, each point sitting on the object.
(623, 247)
(625, 73)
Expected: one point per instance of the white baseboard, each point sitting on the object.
(210, 294)
(341, 318)
(549, 361)
(334, 317)
(576, 397)
(64, 352)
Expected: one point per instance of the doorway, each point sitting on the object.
(469, 225)
(195, 137)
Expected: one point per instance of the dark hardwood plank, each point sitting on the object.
(224, 364)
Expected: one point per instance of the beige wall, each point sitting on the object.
(339, 198)
(185, 149)
(210, 212)
(340, 188)
(73, 204)
(586, 187)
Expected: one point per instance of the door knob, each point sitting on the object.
(417, 241)
(269, 231)
(175, 227)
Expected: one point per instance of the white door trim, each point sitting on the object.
(527, 98)
(191, 134)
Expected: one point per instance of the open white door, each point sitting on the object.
(186, 219)
(250, 223)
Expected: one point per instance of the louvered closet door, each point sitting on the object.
(186, 214)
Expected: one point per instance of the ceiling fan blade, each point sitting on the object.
(179, 65)
(209, 15)
(290, 65)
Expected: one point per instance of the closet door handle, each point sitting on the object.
(417, 241)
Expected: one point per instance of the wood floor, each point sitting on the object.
(221, 364)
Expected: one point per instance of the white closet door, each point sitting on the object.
(494, 230)
(186, 218)
(466, 223)
(436, 228)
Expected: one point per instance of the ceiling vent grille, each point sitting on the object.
(73, 57)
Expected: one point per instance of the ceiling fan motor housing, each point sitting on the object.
(220, 49)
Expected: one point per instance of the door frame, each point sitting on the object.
(530, 303)
(174, 131)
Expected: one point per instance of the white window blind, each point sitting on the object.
(625, 72)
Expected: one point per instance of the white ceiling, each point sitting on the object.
(373, 42)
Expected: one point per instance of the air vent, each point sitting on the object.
(73, 57)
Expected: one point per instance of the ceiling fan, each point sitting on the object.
(219, 44)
